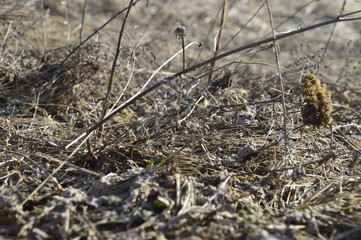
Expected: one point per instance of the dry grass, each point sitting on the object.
(192, 159)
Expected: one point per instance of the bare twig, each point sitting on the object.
(95, 32)
(244, 26)
(117, 52)
(206, 39)
(331, 35)
(82, 21)
(283, 101)
(67, 23)
(218, 41)
(43, 28)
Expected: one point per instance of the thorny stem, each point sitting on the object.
(339, 18)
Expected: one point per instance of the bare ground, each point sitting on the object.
(194, 159)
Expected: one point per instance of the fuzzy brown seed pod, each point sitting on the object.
(317, 109)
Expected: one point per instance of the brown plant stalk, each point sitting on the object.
(111, 77)
(219, 37)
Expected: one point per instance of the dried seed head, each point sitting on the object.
(317, 109)
(179, 32)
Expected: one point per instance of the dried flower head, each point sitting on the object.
(180, 32)
(317, 109)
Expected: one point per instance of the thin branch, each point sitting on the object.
(244, 26)
(95, 32)
(331, 35)
(82, 21)
(283, 101)
(117, 52)
(218, 40)
(206, 39)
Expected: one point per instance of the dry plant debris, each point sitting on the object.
(199, 157)
(317, 109)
